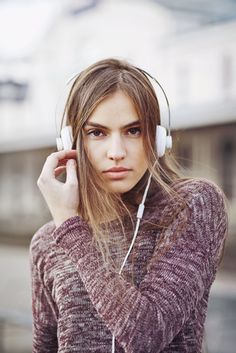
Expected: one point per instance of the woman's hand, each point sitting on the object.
(62, 198)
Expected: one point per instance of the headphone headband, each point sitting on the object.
(149, 76)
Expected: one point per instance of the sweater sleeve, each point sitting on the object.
(146, 319)
(44, 325)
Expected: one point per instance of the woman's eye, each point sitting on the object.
(135, 131)
(95, 133)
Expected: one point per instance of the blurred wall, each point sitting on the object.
(22, 208)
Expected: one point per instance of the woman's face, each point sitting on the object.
(114, 143)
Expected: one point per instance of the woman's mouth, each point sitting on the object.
(117, 173)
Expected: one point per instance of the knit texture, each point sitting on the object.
(158, 304)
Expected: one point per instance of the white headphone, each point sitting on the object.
(163, 135)
(66, 140)
(163, 140)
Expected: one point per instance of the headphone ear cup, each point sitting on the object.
(160, 140)
(59, 144)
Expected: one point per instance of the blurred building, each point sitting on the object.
(196, 67)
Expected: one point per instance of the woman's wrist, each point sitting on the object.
(62, 218)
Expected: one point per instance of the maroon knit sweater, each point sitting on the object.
(160, 302)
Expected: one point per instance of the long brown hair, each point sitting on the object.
(90, 87)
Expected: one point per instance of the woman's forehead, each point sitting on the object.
(116, 109)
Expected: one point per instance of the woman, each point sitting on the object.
(86, 298)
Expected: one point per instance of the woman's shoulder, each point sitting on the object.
(205, 203)
(207, 213)
(191, 189)
(191, 195)
(42, 242)
(196, 196)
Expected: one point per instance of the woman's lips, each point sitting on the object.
(117, 173)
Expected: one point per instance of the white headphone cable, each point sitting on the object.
(139, 217)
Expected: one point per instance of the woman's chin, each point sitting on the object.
(119, 187)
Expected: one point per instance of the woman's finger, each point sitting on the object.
(59, 170)
(53, 161)
(71, 172)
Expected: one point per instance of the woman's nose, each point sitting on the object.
(116, 149)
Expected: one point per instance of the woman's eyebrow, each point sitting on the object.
(133, 123)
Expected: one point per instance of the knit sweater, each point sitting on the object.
(158, 304)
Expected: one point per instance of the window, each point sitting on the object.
(13, 91)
